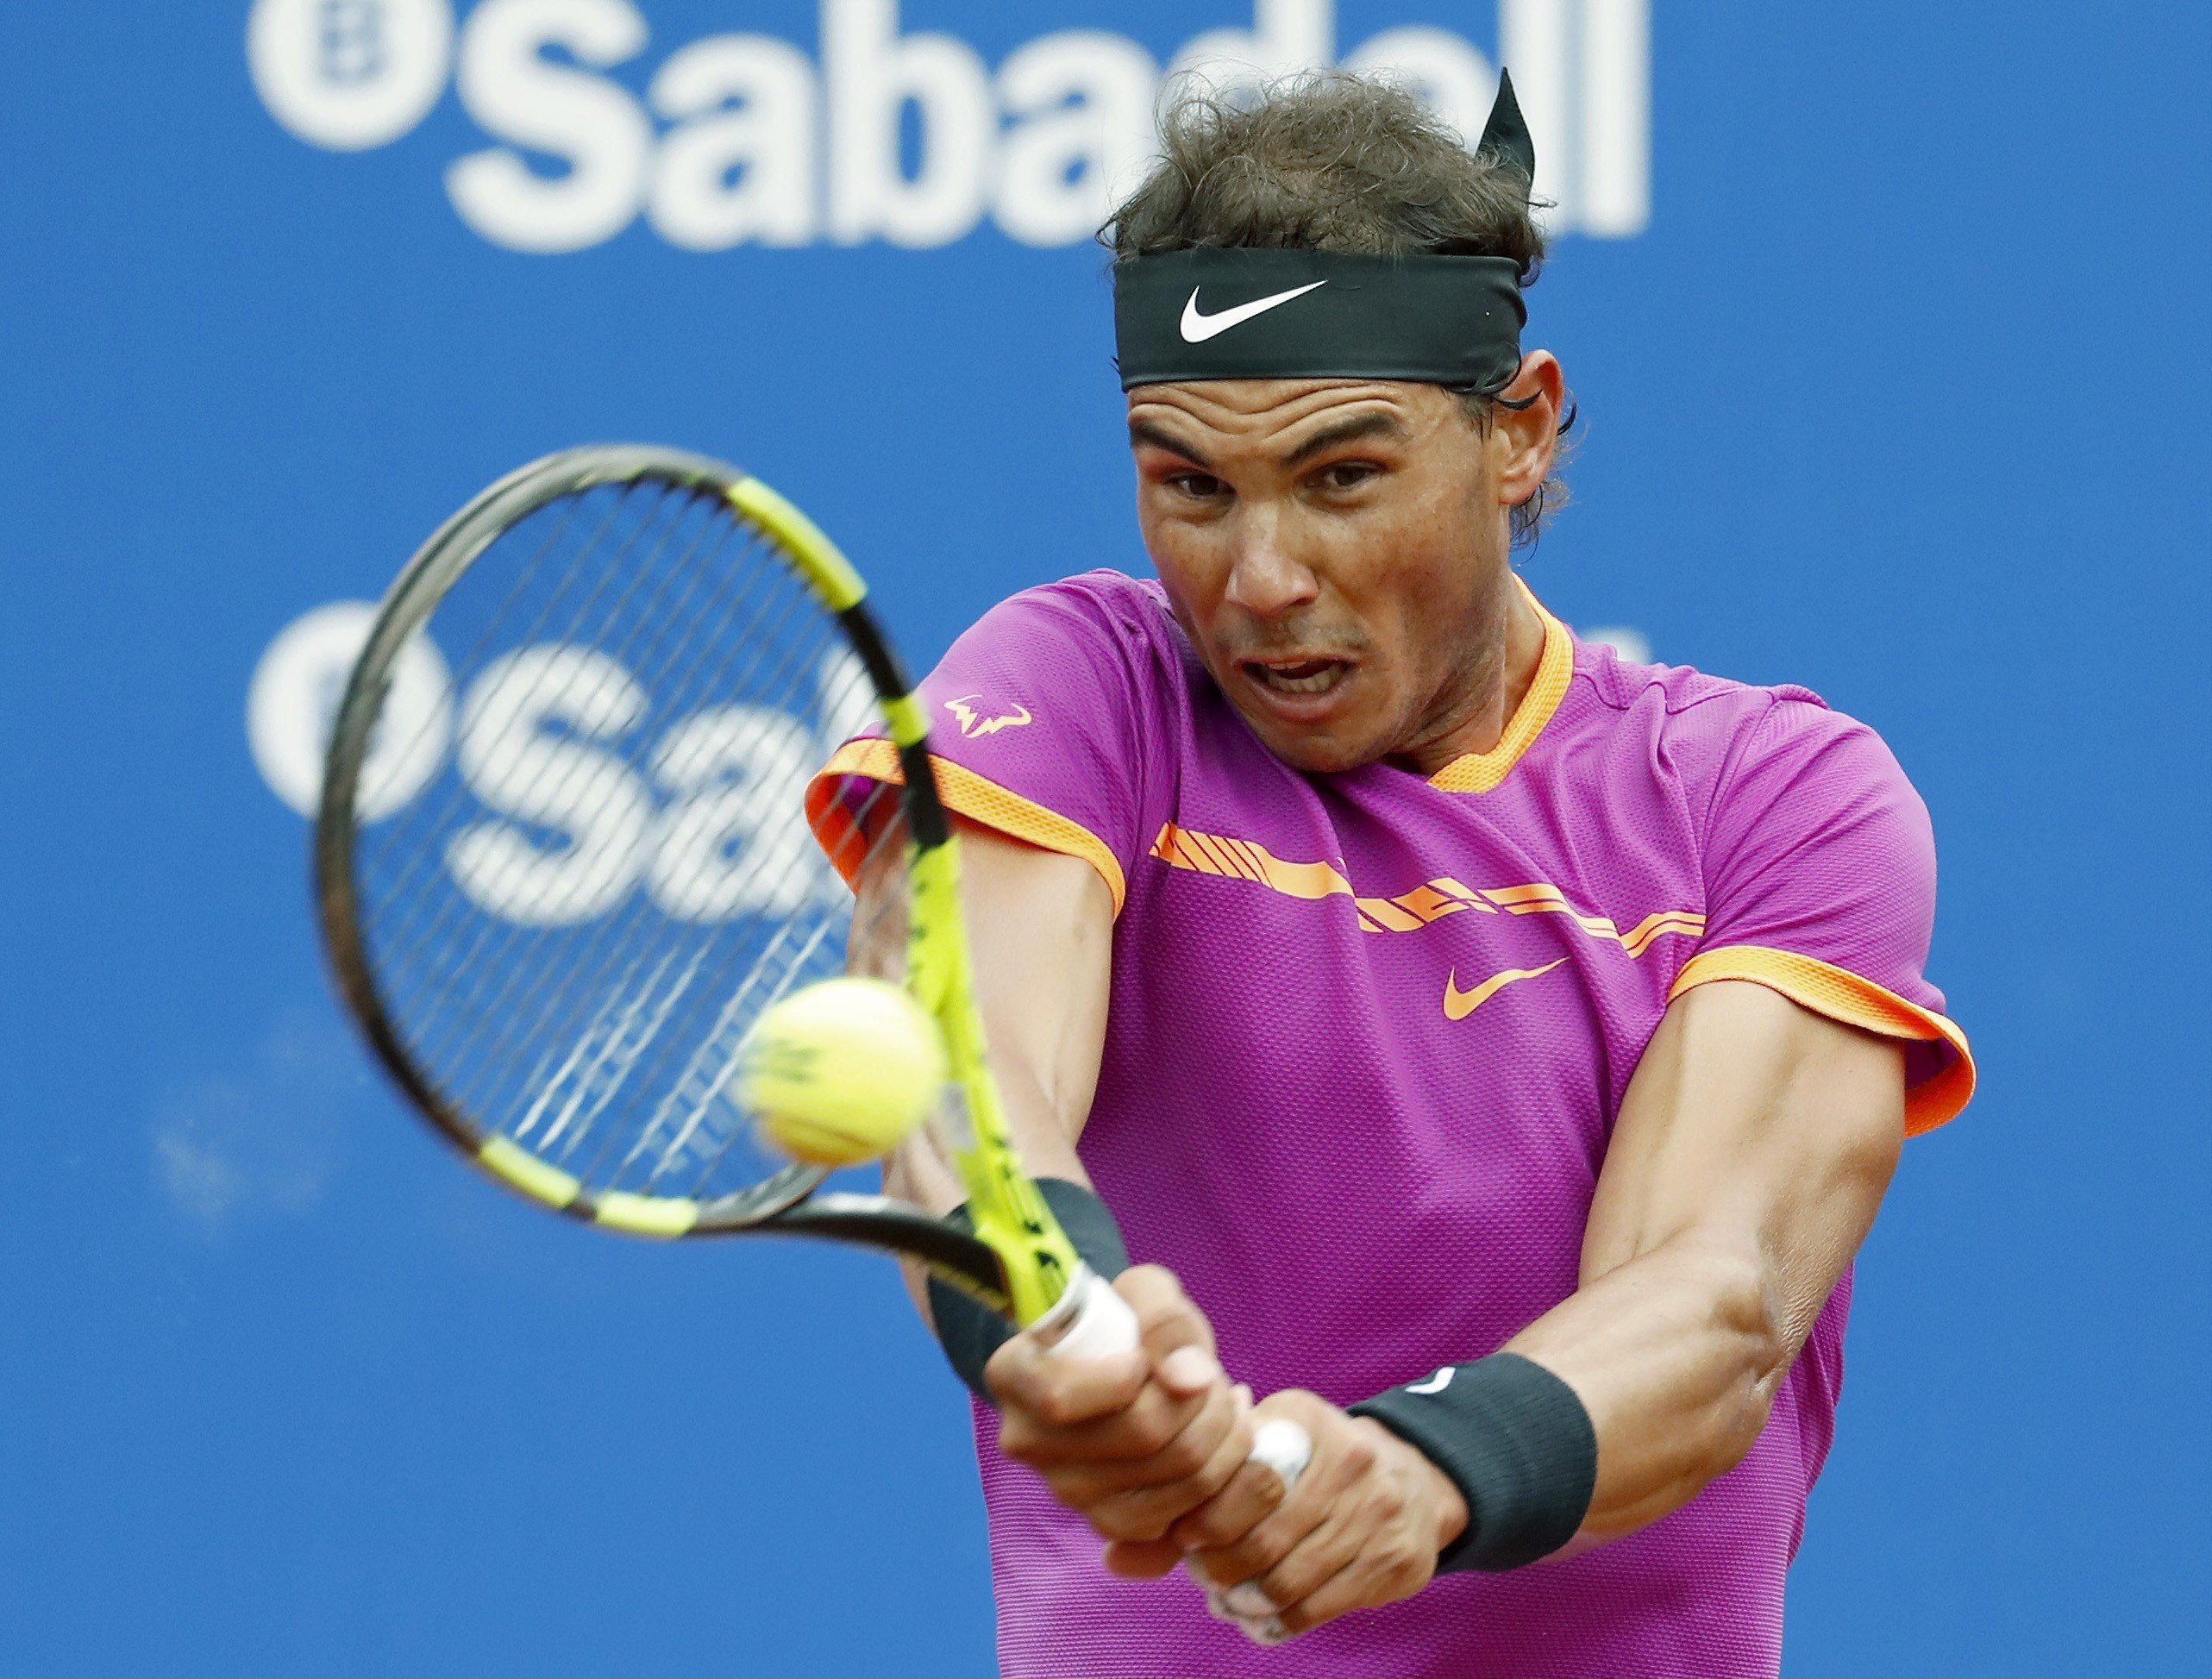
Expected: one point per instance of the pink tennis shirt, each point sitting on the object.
(1368, 1035)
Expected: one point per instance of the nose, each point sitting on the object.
(1265, 576)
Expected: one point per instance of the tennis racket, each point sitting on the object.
(557, 933)
(563, 865)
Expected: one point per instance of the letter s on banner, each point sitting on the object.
(515, 765)
(517, 95)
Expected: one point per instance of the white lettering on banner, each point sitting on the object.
(1082, 103)
(730, 845)
(518, 767)
(563, 826)
(874, 73)
(739, 167)
(546, 740)
(1286, 37)
(763, 146)
(517, 94)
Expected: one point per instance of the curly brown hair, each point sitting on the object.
(1332, 161)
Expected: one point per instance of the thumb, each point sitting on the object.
(1177, 1334)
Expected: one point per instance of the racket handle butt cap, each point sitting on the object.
(1285, 1447)
(1090, 1321)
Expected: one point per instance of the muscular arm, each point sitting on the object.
(1107, 1435)
(1040, 926)
(1752, 1149)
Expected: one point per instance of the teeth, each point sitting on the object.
(1319, 682)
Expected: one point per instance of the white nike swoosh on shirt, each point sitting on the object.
(1198, 328)
(1435, 1384)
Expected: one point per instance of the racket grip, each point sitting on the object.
(1285, 1447)
(1089, 1321)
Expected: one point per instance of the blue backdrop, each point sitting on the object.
(1893, 361)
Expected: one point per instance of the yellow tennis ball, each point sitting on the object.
(839, 1072)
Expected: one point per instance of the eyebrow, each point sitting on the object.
(1143, 431)
(1345, 431)
(1329, 437)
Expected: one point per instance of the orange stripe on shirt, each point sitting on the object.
(1842, 995)
(975, 797)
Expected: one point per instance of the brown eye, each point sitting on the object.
(1348, 474)
(1200, 486)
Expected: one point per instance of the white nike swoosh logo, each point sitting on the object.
(1198, 328)
(1435, 1384)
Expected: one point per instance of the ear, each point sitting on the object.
(1526, 439)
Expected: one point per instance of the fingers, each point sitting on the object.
(1030, 1379)
(1178, 1351)
(1253, 1493)
(1146, 1510)
(1177, 1335)
(1143, 1559)
(1373, 1573)
(1373, 1542)
(1253, 1526)
(1181, 1449)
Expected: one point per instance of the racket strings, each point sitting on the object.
(611, 1048)
(581, 961)
(417, 857)
(576, 925)
(876, 932)
(585, 964)
(469, 1007)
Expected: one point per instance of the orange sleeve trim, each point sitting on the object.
(975, 797)
(1840, 994)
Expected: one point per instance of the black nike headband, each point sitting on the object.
(1253, 312)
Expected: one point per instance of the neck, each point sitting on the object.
(1490, 685)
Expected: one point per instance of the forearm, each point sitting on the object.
(1752, 1149)
(1676, 1356)
(1040, 929)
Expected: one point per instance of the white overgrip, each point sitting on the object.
(1089, 1321)
(1285, 1447)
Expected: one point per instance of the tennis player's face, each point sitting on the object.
(1337, 550)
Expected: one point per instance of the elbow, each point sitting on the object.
(1747, 1322)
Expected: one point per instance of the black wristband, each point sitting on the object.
(1517, 1443)
(969, 1331)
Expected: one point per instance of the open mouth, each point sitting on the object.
(1297, 676)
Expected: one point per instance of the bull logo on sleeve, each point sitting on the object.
(977, 720)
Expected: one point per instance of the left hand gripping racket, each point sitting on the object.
(563, 865)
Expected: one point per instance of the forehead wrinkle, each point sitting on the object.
(1269, 408)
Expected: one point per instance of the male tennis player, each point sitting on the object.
(1501, 1047)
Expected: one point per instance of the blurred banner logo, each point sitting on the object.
(907, 138)
(350, 74)
(567, 787)
(576, 787)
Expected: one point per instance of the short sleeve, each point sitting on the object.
(1819, 874)
(1045, 725)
